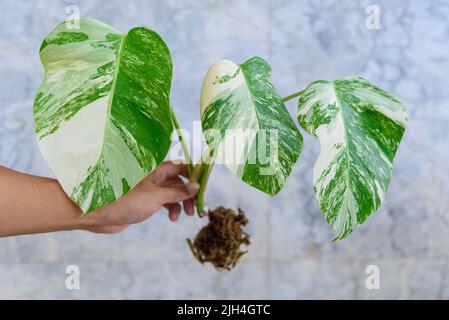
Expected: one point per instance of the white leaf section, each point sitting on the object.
(71, 149)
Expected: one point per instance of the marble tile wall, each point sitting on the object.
(292, 255)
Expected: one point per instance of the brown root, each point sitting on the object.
(219, 241)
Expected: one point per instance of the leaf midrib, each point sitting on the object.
(255, 111)
(341, 107)
(112, 95)
(108, 116)
(251, 95)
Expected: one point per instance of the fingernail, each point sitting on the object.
(193, 186)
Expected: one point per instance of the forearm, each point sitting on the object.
(30, 204)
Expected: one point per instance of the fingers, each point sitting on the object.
(176, 193)
(187, 204)
(172, 182)
(168, 170)
(171, 190)
(174, 209)
(188, 207)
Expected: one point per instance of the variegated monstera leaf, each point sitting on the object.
(247, 124)
(359, 127)
(102, 113)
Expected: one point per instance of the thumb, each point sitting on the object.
(177, 193)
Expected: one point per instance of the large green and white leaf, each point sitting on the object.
(247, 124)
(102, 113)
(359, 127)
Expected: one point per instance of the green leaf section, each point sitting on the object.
(102, 113)
(359, 127)
(257, 138)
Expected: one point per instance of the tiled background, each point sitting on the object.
(292, 255)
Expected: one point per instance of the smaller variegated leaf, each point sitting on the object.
(247, 124)
(359, 127)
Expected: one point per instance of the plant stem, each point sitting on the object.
(292, 96)
(203, 170)
(185, 147)
(197, 173)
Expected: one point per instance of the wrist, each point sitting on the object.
(90, 220)
(73, 218)
(98, 218)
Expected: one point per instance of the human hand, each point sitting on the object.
(162, 188)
